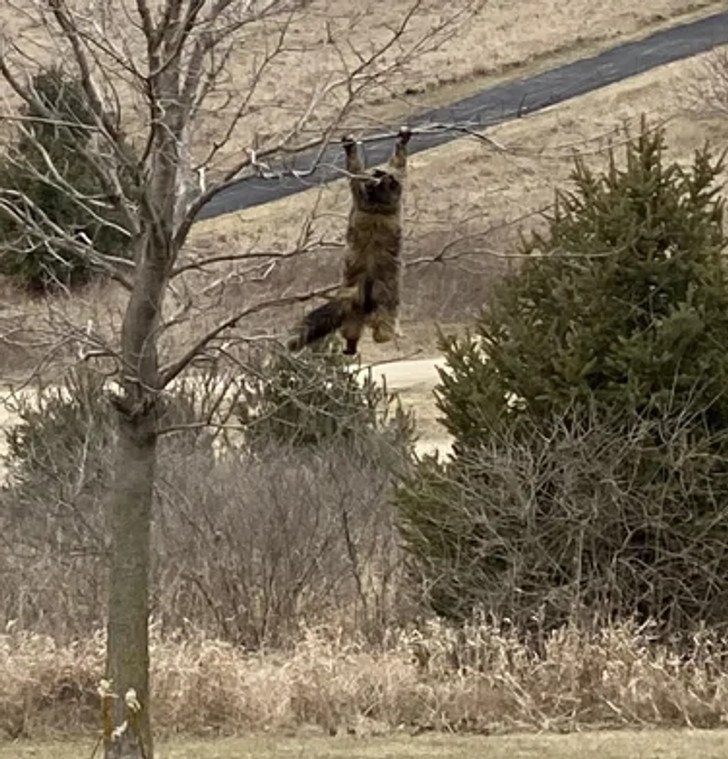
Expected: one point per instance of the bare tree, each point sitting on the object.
(179, 111)
(706, 91)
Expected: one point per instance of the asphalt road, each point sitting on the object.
(491, 106)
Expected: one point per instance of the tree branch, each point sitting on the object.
(168, 373)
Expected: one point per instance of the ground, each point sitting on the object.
(657, 744)
(414, 380)
(496, 38)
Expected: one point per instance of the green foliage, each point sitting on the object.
(47, 160)
(317, 397)
(614, 329)
(622, 304)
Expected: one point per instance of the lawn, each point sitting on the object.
(659, 744)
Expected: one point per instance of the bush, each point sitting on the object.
(44, 264)
(257, 547)
(590, 414)
(249, 545)
(60, 459)
(316, 397)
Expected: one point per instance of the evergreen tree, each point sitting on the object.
(316, 398)
(55, 136)
(609, 339)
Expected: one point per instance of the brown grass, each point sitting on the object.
(466, 187)
(665, 744)
(500, 38)
(479, 680)
(462, 187)
(470, 189)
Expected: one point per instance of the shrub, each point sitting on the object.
(59, 455)
(315, 397)
(258, 546)
(590, 414)
(249, 545)
(50, 135)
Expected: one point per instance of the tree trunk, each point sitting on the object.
(128, 631)
(131, 501)
(130, 507)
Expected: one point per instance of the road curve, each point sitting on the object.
(491, 106)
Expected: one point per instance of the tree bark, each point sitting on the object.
(131, 509)
(128, 632)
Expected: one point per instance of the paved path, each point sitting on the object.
(414, 380)
(492, 106)
(403, 375)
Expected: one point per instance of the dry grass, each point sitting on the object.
(476, 681)
(464, 187)
(469, 188)
(665, 744)
(501, 37)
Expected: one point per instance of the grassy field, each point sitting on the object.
(325, 39)
(469, 200)
(658, 744)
